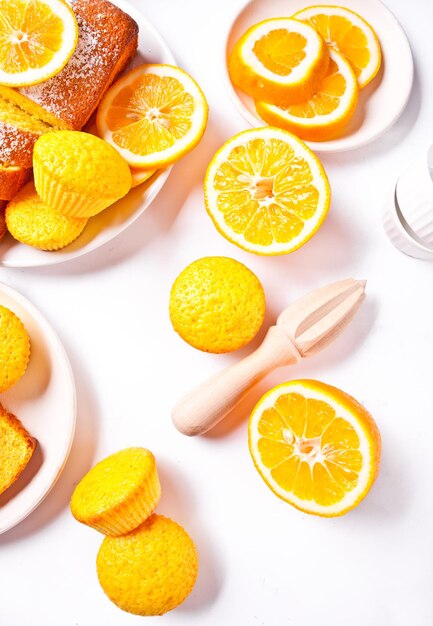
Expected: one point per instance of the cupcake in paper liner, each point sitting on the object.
(119, 493)
(78, 174)
(34, 223)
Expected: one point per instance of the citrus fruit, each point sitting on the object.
(279, 62)
(348, 33)
(266, 191)
(325, 114)
(151, 570)
(37, 39)
(140, 176)
(315, 446)
(217, 305)
(153, 115)
(14, 349)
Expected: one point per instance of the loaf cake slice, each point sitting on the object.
(19, 132)
(12, 178)
(107, 42)
(16, 449)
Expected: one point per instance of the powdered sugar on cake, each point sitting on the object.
(13, 142)
(75, 92)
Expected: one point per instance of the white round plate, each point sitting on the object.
(45, 402)
(107, 225)
(381, 103)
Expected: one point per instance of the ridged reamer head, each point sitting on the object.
(315, 320)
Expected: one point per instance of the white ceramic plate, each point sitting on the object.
(45, 402)
(111, 222)
(381, 103)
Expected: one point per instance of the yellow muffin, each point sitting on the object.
(151, 570)
(217, 305)
(14, 349)
(119, 493)
(79, 174)
(16, 449)
(36, 224)
(3, 229)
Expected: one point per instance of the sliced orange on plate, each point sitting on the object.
(279, 61)
(266, 191)
(326, 113)
(350, 34)
(315, 446)
(140, 176)
(153, 115)
(37, 39)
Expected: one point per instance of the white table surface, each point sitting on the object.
(261, 561)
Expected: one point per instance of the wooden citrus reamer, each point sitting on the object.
(302, 330)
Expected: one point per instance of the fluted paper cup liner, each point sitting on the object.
(68, 202)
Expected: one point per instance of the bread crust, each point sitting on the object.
(29, 442)
(12, 179)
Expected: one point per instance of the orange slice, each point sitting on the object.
(278, 61)
(348, 33)
(325, 114)
(37, 39)
(140, 176)
(153, 116)
(266, 191)
(315, 446)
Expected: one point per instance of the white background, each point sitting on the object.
(261, 562)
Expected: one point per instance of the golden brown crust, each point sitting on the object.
(3, 227)
(108, 39)
(11, 180)
(29, 442)
(16, 145)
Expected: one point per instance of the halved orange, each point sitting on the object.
(315, 446)
(153, 116)
(266, 191)
(325, 114)
(279, 61)
(350, 34)
(37, 39)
